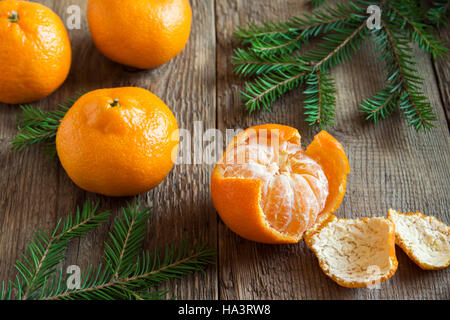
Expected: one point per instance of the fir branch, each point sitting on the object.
(128, 274)
(380, 105)
(126, 240)
(320, 101)
(397, 53)
(317, 3)
(284, 37)
(337, 47)
(45, 251)
(265, 89)
(249, 63)
(404, 16)
(439, 13)
(274, 53)
(37, 126)
(149, 272)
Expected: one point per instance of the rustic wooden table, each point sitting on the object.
(392, 165)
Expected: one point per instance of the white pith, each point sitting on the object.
(355, 251)
(424, 237)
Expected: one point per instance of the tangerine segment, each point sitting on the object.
(330, 155)
(265, 188)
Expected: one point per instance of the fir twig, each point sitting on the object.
(249, 63)
(126, 240)
(37, 126)
(337, 47)
(397, 54)
(45, 251)
(284, 37)
(128, 274)
(149, 272)
(265, 89)
(320, 99)
(439, 14)
(275, 55)
(380, 105)
(403, 16)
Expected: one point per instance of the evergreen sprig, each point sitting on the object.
(278, 56)
(317, 3)
(402, 79)
(439, 14)
(126, 240)
(128, 272)
(46, 250)
(320, 91)
(36, 126)
(408, 17)
(265, 89)
(285, 37)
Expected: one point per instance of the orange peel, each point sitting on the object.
(425, 239)
(354, 252)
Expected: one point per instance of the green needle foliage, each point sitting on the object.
(317, 3)
(128, 273)
(319, 91)
(37, 126)
(403, 83)
(279, 57)
(439, 14)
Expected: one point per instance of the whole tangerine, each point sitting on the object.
(35, 52)
(118, 142)
(142, 34)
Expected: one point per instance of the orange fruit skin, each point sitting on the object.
(142, 34)
(118, 150)
(35, 52)
(330, 155)
(237, 200)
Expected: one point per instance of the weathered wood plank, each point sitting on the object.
(392, 166)
(36, 191)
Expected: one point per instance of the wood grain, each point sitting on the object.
(392, 165)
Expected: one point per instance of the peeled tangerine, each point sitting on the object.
(266, 188)
(425, 239)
